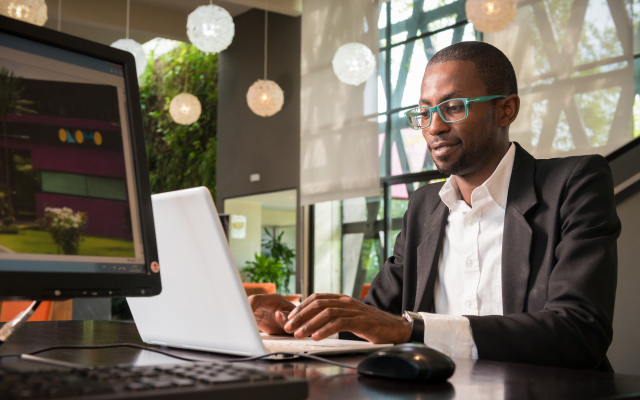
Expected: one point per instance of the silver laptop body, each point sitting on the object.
(203, 305)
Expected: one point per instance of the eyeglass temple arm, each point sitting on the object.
(484, 98)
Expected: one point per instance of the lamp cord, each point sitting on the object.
(128, 7)
(266, 35)
(59, 15)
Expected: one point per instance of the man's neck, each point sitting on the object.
(467, 183)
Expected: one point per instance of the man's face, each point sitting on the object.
(461, 148)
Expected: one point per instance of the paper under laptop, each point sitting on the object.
(203, 305)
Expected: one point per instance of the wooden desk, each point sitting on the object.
(472, 380)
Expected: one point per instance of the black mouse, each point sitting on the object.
(408, 362)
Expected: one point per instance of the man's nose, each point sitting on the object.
(437, 127)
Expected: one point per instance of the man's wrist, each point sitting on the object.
(417, 326)
(406, 331)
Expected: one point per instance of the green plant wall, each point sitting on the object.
(180, 156)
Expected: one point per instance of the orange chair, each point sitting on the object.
(365, 290)
(259, 288)
(47, 311)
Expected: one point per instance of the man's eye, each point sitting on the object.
(455, 109)
(426, 114)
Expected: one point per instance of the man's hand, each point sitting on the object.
(322, 315)
(270, 312)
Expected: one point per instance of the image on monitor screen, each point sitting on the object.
(67, 189)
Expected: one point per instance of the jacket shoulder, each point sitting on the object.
(565, 166)
(425, 196)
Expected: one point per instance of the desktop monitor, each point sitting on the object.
(75, 201)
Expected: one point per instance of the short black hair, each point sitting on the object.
(492, 66)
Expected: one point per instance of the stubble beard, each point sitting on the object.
(472, 159)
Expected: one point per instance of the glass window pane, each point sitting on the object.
(362, 242)
(409, 148)
(59, 182)
(633, 7)
(413, 18)
(399, 202)
(382, 152)
(382, 24)
(106, 188)
(409, 61)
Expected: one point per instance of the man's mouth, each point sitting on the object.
(443, 149)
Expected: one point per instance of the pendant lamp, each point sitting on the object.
(353, 63)
(32, 11)
(265, 97)
(132, 47)
(210, 28)
(185, 109)
(490, 15)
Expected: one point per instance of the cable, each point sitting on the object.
(105, 346)
(312, 357)
(16, 323)
(137, 346)
(110, 346)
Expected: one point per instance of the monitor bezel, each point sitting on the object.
(63, 285)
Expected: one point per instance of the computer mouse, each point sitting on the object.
(408, 362)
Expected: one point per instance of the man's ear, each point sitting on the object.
(508, 109)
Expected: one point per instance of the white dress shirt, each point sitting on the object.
(469, 280)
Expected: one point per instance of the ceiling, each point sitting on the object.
(104, 21)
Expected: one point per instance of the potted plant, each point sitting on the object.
(275, 264)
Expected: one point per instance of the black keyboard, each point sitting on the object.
(210, 380)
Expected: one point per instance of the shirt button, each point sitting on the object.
(469, 263)
(472, 221)
(469, 303)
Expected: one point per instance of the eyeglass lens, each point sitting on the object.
(451, 111)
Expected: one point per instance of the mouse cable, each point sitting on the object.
(137, 346)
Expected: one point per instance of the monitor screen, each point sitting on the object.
(69, 170)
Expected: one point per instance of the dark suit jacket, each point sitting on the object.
(559, 264)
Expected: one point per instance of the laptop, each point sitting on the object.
(203, 305)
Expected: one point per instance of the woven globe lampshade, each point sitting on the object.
(490, 15)
(32, 11)
(353, 63)
(210, 28)
(185, 109)
(134, 48)
(265, 98)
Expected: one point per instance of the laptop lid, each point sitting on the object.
(203, 304)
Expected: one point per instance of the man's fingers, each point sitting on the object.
(322, 319)
(311, 299)
(309, 312)
(335, 326)
(281, 318)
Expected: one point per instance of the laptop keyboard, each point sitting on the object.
(180, 381)
(289, 346)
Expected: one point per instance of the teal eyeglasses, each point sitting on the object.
(453, 110)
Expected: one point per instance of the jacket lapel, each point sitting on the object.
(429, 256)
(516, 241)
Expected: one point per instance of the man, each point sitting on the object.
(512, 259)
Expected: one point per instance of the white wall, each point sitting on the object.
(244, 250)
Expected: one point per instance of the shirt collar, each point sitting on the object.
(497, 185)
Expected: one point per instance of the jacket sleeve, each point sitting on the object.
(574, 329)
(386, 289)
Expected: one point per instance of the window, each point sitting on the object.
(83, 185)
(352, 238)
